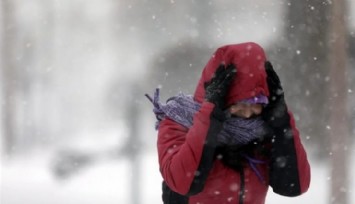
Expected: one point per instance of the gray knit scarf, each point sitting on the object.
(182, 108)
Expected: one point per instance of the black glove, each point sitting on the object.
(284, 175)
(275, 113)
(230, 155)
(235, 156)
(217, 88)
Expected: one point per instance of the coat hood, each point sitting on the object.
(250, 81)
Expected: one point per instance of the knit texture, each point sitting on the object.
(182, 108)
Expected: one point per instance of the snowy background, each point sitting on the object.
(73, 78)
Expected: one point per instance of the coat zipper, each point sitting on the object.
(242, 186)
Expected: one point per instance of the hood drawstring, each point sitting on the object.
(252, 163)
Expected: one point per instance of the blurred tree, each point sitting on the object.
(312, 57)
(133, 148)
(338, 95)
(43, 128)
(9, 73)
(25, 41)
(301, 57)
(351, 81)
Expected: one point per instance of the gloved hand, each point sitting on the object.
(217, 88)
(275, 113)
(230, 155)
(283, 168)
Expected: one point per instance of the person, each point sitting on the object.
(233, 138)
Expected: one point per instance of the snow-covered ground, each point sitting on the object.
(28, 179)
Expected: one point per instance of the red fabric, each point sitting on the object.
(180, 149)
(223, 185)
(250, 79)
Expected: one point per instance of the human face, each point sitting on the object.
(245, 110)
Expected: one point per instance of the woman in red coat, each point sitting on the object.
(233, 138)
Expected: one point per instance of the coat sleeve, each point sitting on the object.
(186, 155)
(289, 167)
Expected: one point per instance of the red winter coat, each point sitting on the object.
(187, 159)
